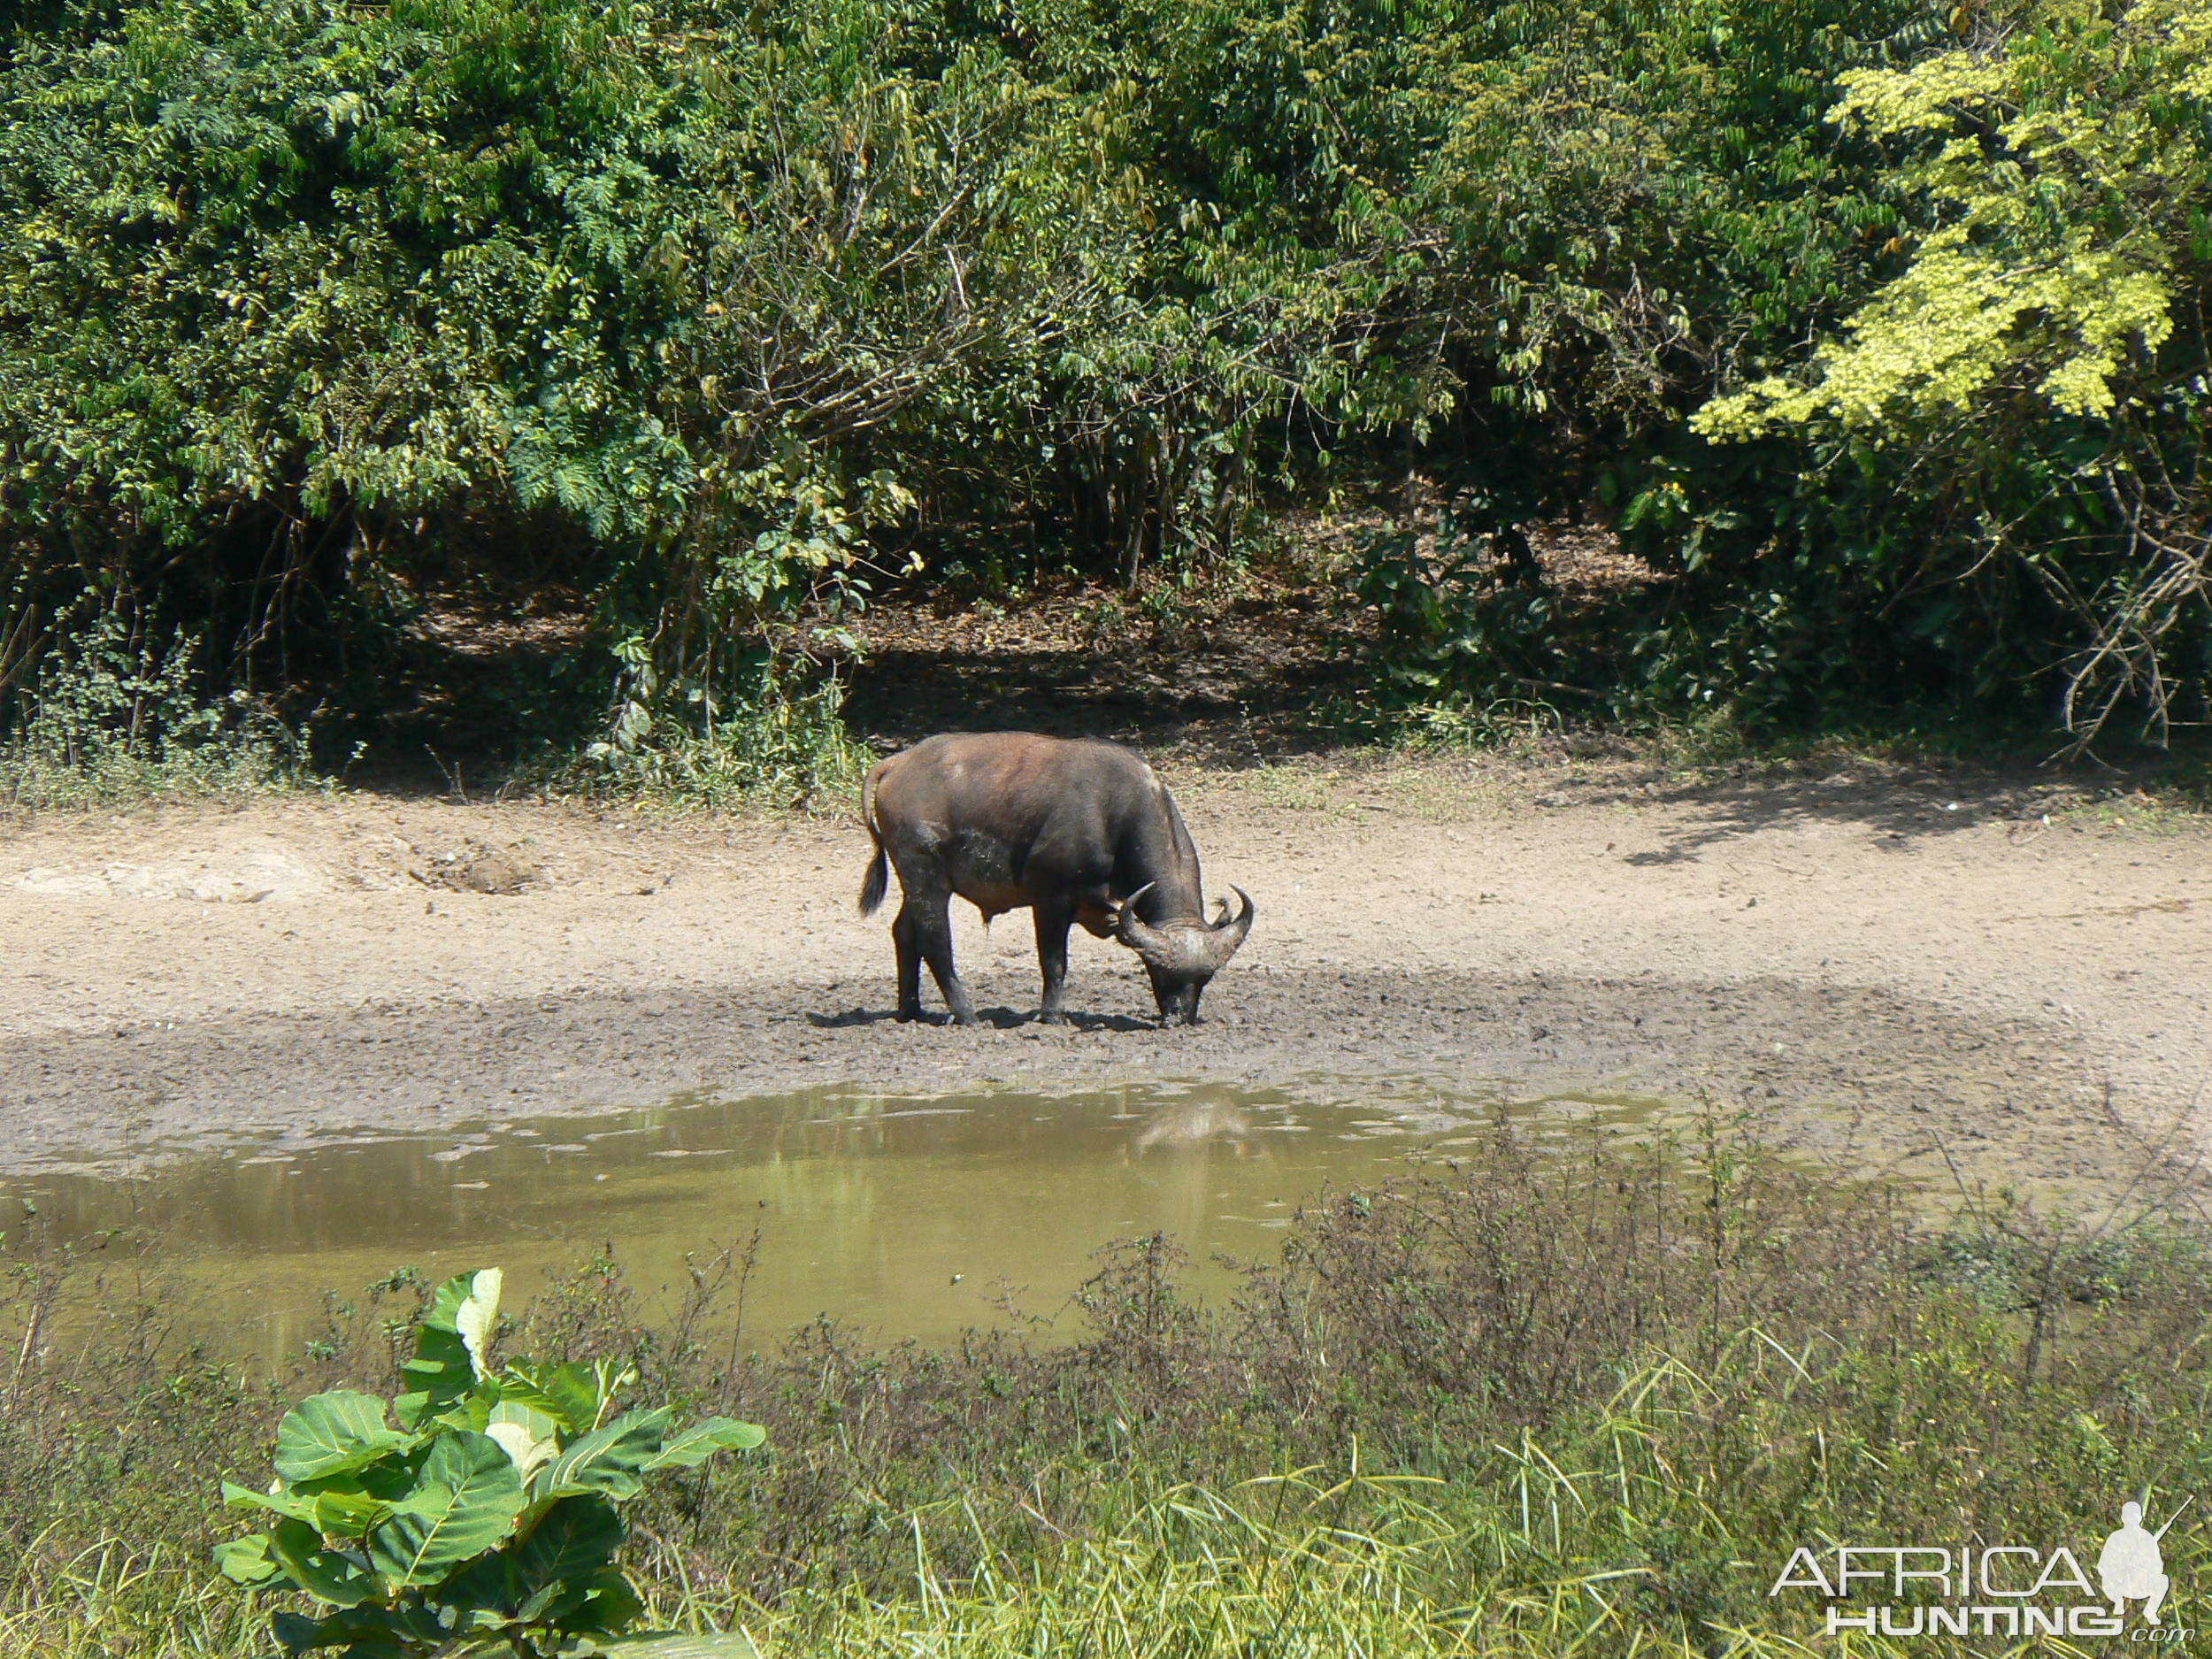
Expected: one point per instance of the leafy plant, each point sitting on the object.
(2040, 360)
(117, 710)
(769, 736)
(1459, 620)
(480, 1510)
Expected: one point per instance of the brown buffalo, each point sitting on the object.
(1072, 830)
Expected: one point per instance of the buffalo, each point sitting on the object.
(1071, 830)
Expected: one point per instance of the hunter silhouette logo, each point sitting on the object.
(2010, 1590)
(2131, 1567)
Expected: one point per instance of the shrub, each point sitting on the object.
(484, 1511)
(115, 713)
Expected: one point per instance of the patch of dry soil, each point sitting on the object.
(1887, 971)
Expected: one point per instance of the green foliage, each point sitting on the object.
(1460, 624)
(1987, 494)
(709, 322)
(2060, 175)
(2041, 358)
(296, 296)
(1575, 1394)
(115, 713)
(770, 738)
(487, 1518)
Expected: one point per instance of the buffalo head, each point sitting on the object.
(1183, 952)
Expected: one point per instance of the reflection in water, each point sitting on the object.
(1188, 1123)
(916, 1216)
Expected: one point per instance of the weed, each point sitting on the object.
(114, 715)
(780, 744)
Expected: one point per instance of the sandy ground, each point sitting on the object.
(1884, 966)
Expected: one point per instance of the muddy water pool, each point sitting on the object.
(908, 1217)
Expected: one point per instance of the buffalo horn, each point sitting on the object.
(1229, 934)
(1139, 935)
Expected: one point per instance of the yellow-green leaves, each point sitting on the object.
(1964, 317)
(2058, 184)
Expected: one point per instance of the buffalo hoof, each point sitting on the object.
(1051, 1016)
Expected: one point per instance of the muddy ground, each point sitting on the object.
(1899, 968)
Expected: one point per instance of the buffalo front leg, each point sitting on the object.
(1052, 961)
(930, 924)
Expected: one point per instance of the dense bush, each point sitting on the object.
(692, 317)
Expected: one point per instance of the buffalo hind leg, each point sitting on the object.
(1052, 960)
(928, 926)
(905, 939)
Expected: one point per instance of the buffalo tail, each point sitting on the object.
(872, 890)
(879, 878)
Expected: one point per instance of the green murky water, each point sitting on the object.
(909, 1217)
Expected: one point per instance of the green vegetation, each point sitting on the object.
(1567, 1396)
(109, 717)
(489, 1518)
(340, 341)
(2040, 358)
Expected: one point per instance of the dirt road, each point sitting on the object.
(1874, 965)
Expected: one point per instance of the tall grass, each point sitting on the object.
(1557, 1401)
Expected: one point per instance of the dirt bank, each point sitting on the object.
(1888, 963)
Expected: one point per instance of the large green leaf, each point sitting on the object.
(451, 1343)
(331, 1434)
(470, 1410)
(702, 1440)
(246, 1560)
(579, 1395)
(610, 1460)
(466, 1500)
(609, 1605)
(548, 1571)
(530, 1436)
(277, 1501)
(337, 1577)
(577, 1537)
(347, 1514)
(364, 1632)
(388, 1480)
(564, 1393)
